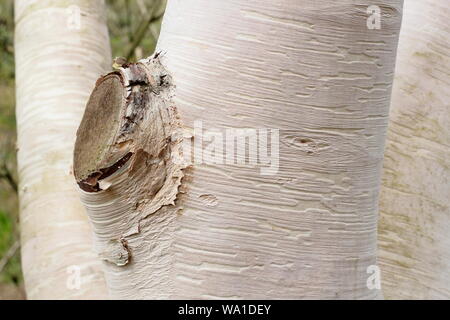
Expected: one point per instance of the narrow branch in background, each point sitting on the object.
(6, 174)
(9, 254)
(128, 19)
(142, 7)
(142, 29)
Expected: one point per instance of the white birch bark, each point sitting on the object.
(313, 70)
(414, 226)
(59, 55)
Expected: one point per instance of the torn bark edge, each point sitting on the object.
(117, 252)
(91, 183)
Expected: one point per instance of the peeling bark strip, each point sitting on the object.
(128, 161)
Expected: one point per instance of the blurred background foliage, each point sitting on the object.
(134, 27)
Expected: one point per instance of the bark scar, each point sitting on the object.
(140, 160)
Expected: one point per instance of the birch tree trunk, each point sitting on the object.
(303, 224)
(61, 47)
(414, 225)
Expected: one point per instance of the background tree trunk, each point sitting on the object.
(414, 226)
(61, 48)
(314, 71)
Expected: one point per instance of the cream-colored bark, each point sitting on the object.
(315, 72)
(414, 226)
(61, 48)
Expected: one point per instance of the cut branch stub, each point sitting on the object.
(128, 160)
(98, 129)
(125, 109)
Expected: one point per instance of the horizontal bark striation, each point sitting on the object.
(319, 75)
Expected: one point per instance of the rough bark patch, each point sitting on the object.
(128, 152)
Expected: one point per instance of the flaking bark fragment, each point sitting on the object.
(117, 252)
(91, 183)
